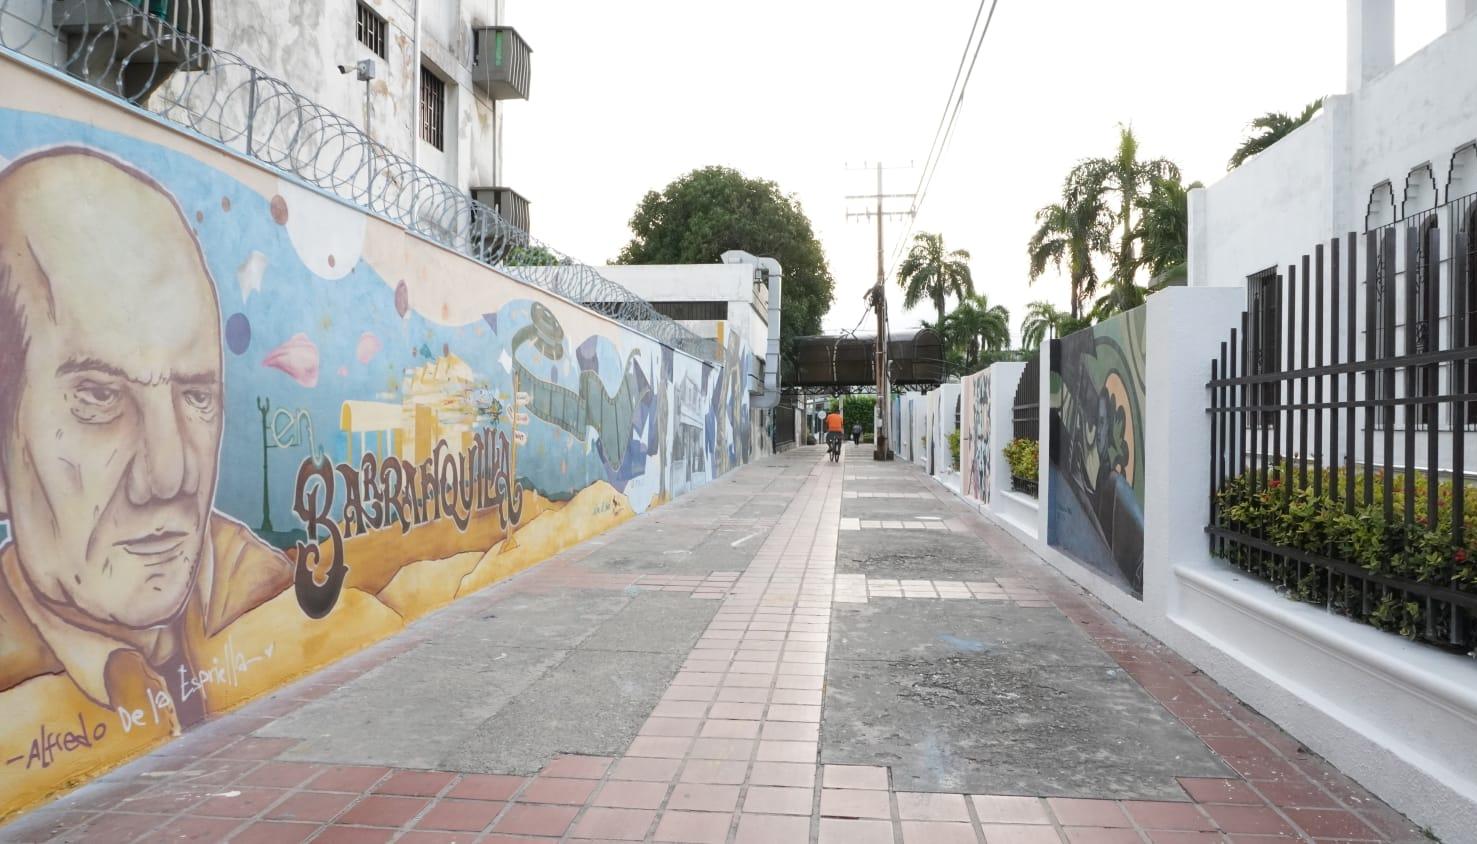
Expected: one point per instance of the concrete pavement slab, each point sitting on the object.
(916, 554)
(416, 707)
(589, 704)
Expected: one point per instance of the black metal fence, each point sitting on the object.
(1025, 418)
(1340, 414)
(1026, 405)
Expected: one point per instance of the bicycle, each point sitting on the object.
(833, 446)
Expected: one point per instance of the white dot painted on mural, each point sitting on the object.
(328, 235)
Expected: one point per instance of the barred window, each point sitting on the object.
(371, 29)
(1471, 308)
(1266, 333)
(1422, 288)
(433, 109)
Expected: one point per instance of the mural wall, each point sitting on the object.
(1096, 493)
(974, 436)
(245, 429)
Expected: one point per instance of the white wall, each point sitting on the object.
(1272, 208)
(1317, 182)
(731, 283)
(1016, 509)
(1400, 718)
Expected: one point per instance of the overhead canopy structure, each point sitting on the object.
(834, 363)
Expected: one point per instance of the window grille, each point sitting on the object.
(1265, 290)
(1470, 307)
(1423, 286)
(433, 109)
(371, 29)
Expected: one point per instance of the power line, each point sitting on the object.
(953, 86)
(958, 103)
(941, 140)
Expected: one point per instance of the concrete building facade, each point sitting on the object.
(439, 72)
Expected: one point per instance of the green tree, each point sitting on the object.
(709, 211)
(929, 271)
(531, 255)
(1067, 234)
(1269, 129)
(1124, 181)
(860, 410)
(1043, 321)
(975, 326)
(1117, 299)
(1164, 232)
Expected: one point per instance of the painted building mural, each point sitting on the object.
(245, 430)
(974, 436)
(1096, 494)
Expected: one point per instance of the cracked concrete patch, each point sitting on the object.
(928, 555)
(961, 697)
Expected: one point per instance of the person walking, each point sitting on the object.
(856, 433)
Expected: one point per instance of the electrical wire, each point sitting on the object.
(941, 138)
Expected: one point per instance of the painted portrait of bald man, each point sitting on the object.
(117, 568)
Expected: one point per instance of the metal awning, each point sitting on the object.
(835, 363)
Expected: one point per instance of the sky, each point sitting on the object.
(629, 96)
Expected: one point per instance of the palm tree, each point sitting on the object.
(1069, 232)
(1164, 231)
(1118, 298)
(977, 325)
(1043, 322)
(931, 272)
(1128, 180)
(1273, 126)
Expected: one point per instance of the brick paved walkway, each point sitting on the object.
(733, 749)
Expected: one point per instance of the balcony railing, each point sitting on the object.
(501, 62)
(132, 46)
(257, 115)
(508, 203)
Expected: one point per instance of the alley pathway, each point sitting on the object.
(799, 652)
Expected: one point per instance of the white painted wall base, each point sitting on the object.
(1398, 717)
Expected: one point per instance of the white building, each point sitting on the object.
(1394, 154)
(1400, 142)
(439, 71)
(719, 302)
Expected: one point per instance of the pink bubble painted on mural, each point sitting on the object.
(369, 346)
(298, 357)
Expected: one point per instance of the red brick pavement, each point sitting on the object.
(730, 753)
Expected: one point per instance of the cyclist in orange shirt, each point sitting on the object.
(835, 430)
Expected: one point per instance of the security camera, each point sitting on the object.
(364, 69)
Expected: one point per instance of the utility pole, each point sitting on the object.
(877, 296)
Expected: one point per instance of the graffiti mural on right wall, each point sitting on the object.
(1096, 482)
(974, 436)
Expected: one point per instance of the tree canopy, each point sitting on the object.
(930, 271)
(1109, 208)
(709, 211)
(975, 326)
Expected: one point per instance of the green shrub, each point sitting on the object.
(954, 448)
(860, 410)
(1023, 457)
(1292, 515)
